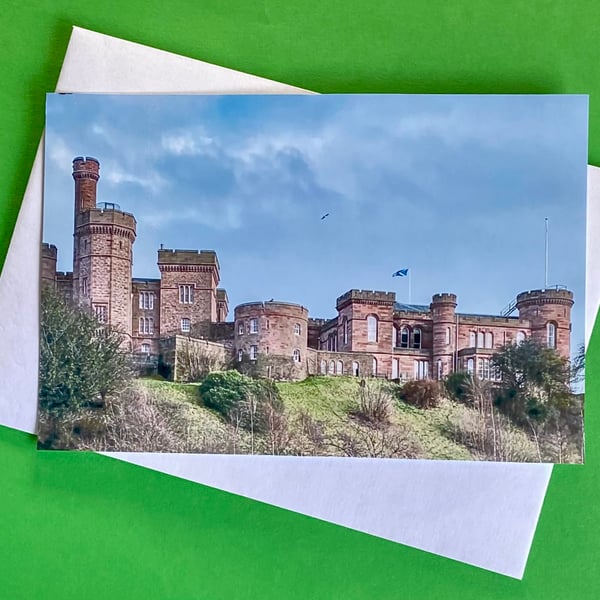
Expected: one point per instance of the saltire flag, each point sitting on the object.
(400, 273)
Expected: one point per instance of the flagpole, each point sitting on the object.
(546, 256)
(409, 286)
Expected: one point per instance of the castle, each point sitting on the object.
(372, 334)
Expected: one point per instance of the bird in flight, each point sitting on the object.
(324, 216)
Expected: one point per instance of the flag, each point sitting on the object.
(400, 273)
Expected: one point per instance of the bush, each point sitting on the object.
(374, 403)
(222, 391)
(422, 393)
(457, 386)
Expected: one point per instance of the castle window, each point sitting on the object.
(355, 368)
(146, 300)
(240, 355)
(472, 339)
(253, 325)
(296, 355)
(345, 329)
(470, 366)
(421, 369)
(417, 338)
(186, 294)
(371, 328)
(331, 367)
(185, 325)
(440, 369)
(145, 348)
(297, 329)
(394, 336)
(146, 325)
(323, 367)
(489, 340)
(84, 287)
(101, 312)
(241, 328)
(253, 352)
(395, 368)
(551, 335)
(340, 367)
(483, 368)
(404, 337)
(374, 367)
(480, 339)
(520, 337)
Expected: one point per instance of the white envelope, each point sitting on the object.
(483, 514)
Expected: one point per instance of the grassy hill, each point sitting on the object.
(321, 416)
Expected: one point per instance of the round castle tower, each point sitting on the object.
(443, 311)
(549, 314)
(277, 329)
(102, 252)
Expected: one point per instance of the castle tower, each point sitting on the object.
(549, 314)
(188, 292)
(102, 251)
(48, 266)
(443, 313)
(278, 330)
(365, 324)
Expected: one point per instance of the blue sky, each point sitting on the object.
(456, 188)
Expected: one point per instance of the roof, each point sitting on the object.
(144, 280)
(411, 307)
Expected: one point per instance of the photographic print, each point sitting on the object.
(390, 276)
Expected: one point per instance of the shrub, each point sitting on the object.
(422, 393)
(374, 403)
(457, 386)
(221, 391)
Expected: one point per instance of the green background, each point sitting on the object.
(85, 526)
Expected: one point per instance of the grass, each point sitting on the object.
(327, 400)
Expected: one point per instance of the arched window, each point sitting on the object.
(355, 369)
(417, 338)
(551, 334)
(296, 355)
(470, 366)
(472, 339)
(297, 329)
(331, 367)
(345, 330)
(374, 367)
(520, 337)
(371, 328)
(448, 334)
(480, 339)
(323, 367)
(395, 368)
(404, 333)
(240, 355)
(489, 339)
(340, 367)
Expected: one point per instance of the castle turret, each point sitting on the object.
(86, 172)
(103, 250)
(48, 265)
(549, 314)
(276, 330)
(443, 314)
